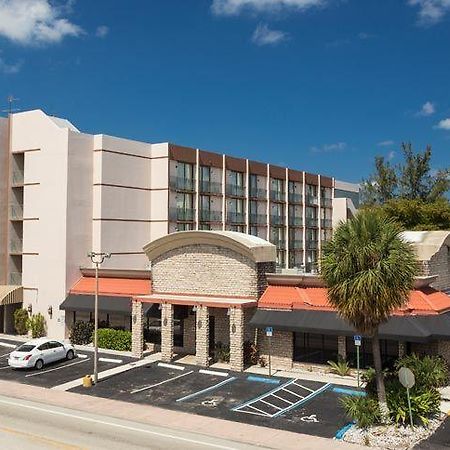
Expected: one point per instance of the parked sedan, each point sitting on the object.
(40, 352)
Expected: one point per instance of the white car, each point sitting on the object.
(40, 352)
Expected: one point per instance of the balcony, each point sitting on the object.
(295, 244)
(277, 219)
(295, 221)
(15, 279)
(17, 177)
(326, 202)
(294, 197)
(210, 187)
(312, 222)
(210, 216)
(235, 190)
(259, 193)
(182, 214)
(16, 212)
(16, 246)
(277, 196)
(279, 243)
(326, 223)
(312, 200)
(182, 184)
(235, 217)
(312, 245)
(258, 219)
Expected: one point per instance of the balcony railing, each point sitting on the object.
(277, 196)
(210, 187)
(235, 190)
(210, 216)
(280, 244)
(312, 222)
(326, 202)
(182, 184)
(17, 177)
(15, 278)
(312, 200)
(257, 193)
(326, 223)
(312, 245)
(294, 197)
(295, 221)
(182, 214)
(235, 217)
(16, 246)
(16, 211)
(277, 219)
(295, 244)
(259, 219)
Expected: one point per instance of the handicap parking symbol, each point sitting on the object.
(310, 419)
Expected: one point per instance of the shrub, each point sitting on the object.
(369, 378)
(222, 352)
(430, 371)
(250, 353)
(340, 367)
(36, 323)
(363, 410)
(81, 333)
(114, 339)
(21, 321)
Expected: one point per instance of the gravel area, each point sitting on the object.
(392, 436)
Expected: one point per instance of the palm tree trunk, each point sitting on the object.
(381, 391)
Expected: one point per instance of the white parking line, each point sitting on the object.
(213, 372)
(162, 382)
(80, 355)
(6, 354)
(170, 366)
(4, 344)
(55, 368)
(3, 368)
(111, 360)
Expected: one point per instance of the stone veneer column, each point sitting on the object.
(137, 329)
(167, 332)
(401, 349)
(237, 339)
(342, 347)
(202, 336)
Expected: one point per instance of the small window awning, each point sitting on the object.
(122, 287)
(411, 328)
(106, 303)
(10, 294)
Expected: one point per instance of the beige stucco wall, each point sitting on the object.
(4, 171)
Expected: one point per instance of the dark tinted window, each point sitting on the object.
(25, 348)
(54, 344)
(44, 346)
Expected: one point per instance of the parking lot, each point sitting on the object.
(57, 373)
(289, 404)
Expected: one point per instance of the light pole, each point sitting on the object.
(97, 258)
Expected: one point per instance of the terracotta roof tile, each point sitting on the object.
(112, 286)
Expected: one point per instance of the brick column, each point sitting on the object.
(342, 347)
(401, 349)
(166, 332)
(202, 336)
(137, 329)
(237, 339)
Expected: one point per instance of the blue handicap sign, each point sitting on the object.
(269, 331)
(357, 338)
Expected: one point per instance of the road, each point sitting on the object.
(32, 426)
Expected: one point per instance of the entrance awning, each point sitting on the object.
(403, 328)
(106, 303)
(10, 295)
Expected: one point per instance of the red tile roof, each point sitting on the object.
(421, 302)
(123, 287)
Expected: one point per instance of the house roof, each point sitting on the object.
(425, 301)
(121, 287)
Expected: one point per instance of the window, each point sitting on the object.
(253, 183)
(185, 226)
(25, 348)
(205, 173)
(54, 344)
(44, 346)
(315, 348)
(185, 170)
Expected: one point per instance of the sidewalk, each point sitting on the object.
(150, 415)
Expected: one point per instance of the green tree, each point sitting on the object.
(369, 271)
(380, 186)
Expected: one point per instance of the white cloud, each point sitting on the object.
(9, 68)
(386, 143)
(329, 148)
(263, 35)
(391, 155)
(428, 108)
(430, 11)
(30, 22)
(235, 7)
(102, 31)
(443, 124)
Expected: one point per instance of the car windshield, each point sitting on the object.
(25, 348)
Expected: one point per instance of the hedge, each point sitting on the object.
(114, 339)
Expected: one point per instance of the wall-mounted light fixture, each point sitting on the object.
(160, 306)
(194, 308)
(50, 311)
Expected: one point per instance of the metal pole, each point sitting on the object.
(409, 406)
(357, 364)
(270, 359)
(96, 326)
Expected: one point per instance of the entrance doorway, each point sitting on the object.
(212, 334)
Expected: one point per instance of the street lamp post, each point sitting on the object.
(97, 258)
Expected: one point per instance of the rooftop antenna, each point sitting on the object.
(11, 99)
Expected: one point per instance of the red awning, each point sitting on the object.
(121, 287)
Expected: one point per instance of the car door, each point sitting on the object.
(44, 353)
(58, 351)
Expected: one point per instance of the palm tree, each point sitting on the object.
(369, 271)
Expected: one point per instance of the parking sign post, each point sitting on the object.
(357, 339)
(269, 333)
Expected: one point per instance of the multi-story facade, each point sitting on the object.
(65, 193)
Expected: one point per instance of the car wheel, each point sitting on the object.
(70, 355)
(39, 364)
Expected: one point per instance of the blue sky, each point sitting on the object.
(320, 85)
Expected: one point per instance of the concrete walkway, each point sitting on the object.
(145, 414)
